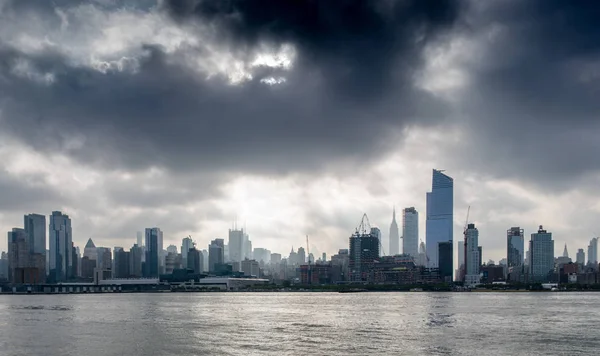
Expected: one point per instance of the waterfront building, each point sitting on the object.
(154, 246)
(4, 270)
(445, 251)
(364, 251)
(515, 253)
(104, 258)
(472, 255)
(135, 261)
(541, 248)
(61, 244)
(216, 254)
(394, 235)
(410, 232)
(439, 223)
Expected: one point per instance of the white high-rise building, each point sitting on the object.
(61, 247)
(422, 259)
(394, 236)
(440, 212)
(237, 248)
(186, 245)
(471, 255)
(410, 232)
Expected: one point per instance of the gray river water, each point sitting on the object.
(301, 324)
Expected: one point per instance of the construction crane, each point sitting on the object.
(467, 221)
(365, 226)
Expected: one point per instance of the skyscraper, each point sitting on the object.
(216, 256)
(18, 254)
(472, 256)
(565, 252)
(364, 250)
(237, 248)
(154, 247)
(461, 261)
(186, 245)
(194, 260)
(440, 205)
(580, 257)
(135, 261)
(515, 252)
(35, 228)
(301, 256)
(410, 232)
(394, 236)
(61, 244)
(593, 252)
(541, 249)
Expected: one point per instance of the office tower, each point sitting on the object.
(445, 251)
(301, 257)
(61, 243)
(565, 252)
(236, 245)
(122, 263)
(324, 257)
(438, 228)
(154, 247)
(515, 253)
(410, 232)
(293, 257)
(394, 236)
(593, 252)
(472, 255)
(275, 258)
(4, 270)
(35, 228)
(90, 251)
(18, 254)
(261, 255)
(75, 263)
(216, 254)
(580, 257)
(87, 267)
(140, 238)
(461, 261)
(250, 268)
(194, 261)
(135, 261)
(364, 250)
(541, 249)
(104, 258)
(205, 260)
(186, 245)
(480, 255)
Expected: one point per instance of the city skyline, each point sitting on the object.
(270, 136)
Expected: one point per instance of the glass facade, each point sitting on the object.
(439, 224)
(515, 247)
(410, 232)
(154, 247)
(61, 244)
(541, 248)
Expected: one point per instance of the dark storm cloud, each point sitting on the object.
(26, 192)
(165, 114)
(533, 99)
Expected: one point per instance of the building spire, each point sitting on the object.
(565, 252)
(394, 213)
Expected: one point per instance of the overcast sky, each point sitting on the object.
(296, 117)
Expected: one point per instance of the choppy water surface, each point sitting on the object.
(301, 324)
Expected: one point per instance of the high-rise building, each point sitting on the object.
(472, 255)
(4, 270)
(35, 227)
(236, 245)
(410, 232)
(216, 254)
(262, 255)
(580, 257)
(18, 253)
(250, 268)
(301, 257)
(186, 245)
(364, 250)
(135, 261)
(90, 251)
(172, 249)
(154, 245)
(541, 249)
(87, 267)
(104, 258)
(422, 260)
(515, 252)
(122, 263)
(195, 260)
(61, 244)
(445, 251)
(439, 224)
(394, 236)
(461, 261)
(593, 252)
(205, 260)
(275, 258)
(565, 252)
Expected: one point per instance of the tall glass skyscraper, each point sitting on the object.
(61, 247)
(472, 255)
(440, 205)
(515, 252)
(154, 247)
(541, 249)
